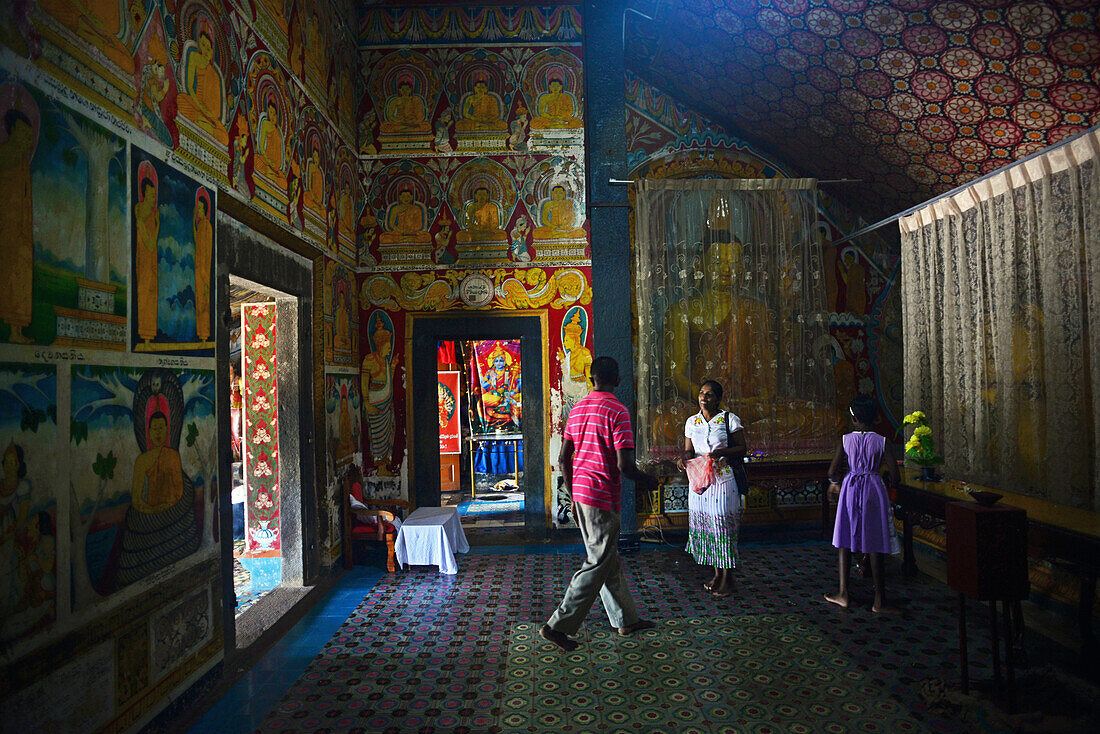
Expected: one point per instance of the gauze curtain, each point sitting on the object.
(1001, 311)
(729, 286)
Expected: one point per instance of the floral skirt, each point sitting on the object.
(714, 522)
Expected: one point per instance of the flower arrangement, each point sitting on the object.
(920, 448)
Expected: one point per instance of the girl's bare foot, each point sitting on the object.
(564, 643)
(841, 600)
(885, 609)
(723, 590)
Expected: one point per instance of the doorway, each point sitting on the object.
(269, 496)
(529, 329)
(481, 442)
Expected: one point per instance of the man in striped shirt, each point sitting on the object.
(597, 451)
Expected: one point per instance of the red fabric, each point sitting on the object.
(370, 529)
(446, 353)
(357, 491)
(700, 471)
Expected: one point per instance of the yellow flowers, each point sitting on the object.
(920, 448)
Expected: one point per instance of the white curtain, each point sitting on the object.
(1001, 310)
(729, 286)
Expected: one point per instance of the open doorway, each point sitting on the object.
(518, 393)
(481, 440)
(266, 437)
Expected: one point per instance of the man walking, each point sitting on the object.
(597, 451)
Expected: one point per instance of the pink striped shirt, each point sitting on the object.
(598, 425)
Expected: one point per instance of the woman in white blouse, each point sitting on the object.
(714, 516)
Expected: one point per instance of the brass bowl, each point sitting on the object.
(986, 499)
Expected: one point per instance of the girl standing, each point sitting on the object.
(863, 519)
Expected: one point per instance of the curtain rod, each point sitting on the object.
(822, 181)
(957, 189)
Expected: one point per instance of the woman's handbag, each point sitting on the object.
(700, 471)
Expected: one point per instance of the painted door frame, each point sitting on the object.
(251, 256)
(422, 333)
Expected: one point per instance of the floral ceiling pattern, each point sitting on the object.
(912, 97)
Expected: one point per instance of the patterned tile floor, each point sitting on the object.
(429, 653)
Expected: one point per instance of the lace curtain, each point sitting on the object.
(729, 286)
(1001, 313)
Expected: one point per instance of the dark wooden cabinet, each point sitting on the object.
(987, 551)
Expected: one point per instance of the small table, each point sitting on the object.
(431, 536)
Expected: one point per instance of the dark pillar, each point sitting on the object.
(605, 144)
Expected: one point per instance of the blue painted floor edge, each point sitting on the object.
(247, 704)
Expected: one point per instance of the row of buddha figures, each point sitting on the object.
(407, 235)
(186, 54)
(479, 109)
(249, 118)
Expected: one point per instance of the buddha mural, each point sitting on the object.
(270, 152)
(556, 109)
(558, 216)
(341, 334)
(98, 22)
(315, 47)
(146, 239)
(204, 254)
(482, 110)
(16, 224)
(203, 96)
(405, 112)
(313, 195)
(575, 358)
(376, 375)
(345, 207)
(405, 221)
(481, 219)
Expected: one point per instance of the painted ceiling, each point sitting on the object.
(912, 97)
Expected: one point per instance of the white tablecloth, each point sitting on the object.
(431, 536)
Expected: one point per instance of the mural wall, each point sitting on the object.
(471, 142)
(123, 125)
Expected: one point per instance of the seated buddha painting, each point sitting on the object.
(558, 217)
(404, 87)
(553, 86)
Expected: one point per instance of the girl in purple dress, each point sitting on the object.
(863, 518)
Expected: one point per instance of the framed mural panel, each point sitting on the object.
(172, 226)
(28, 505)
(142, 475)
(63, 235)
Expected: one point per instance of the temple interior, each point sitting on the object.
(245, 243)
